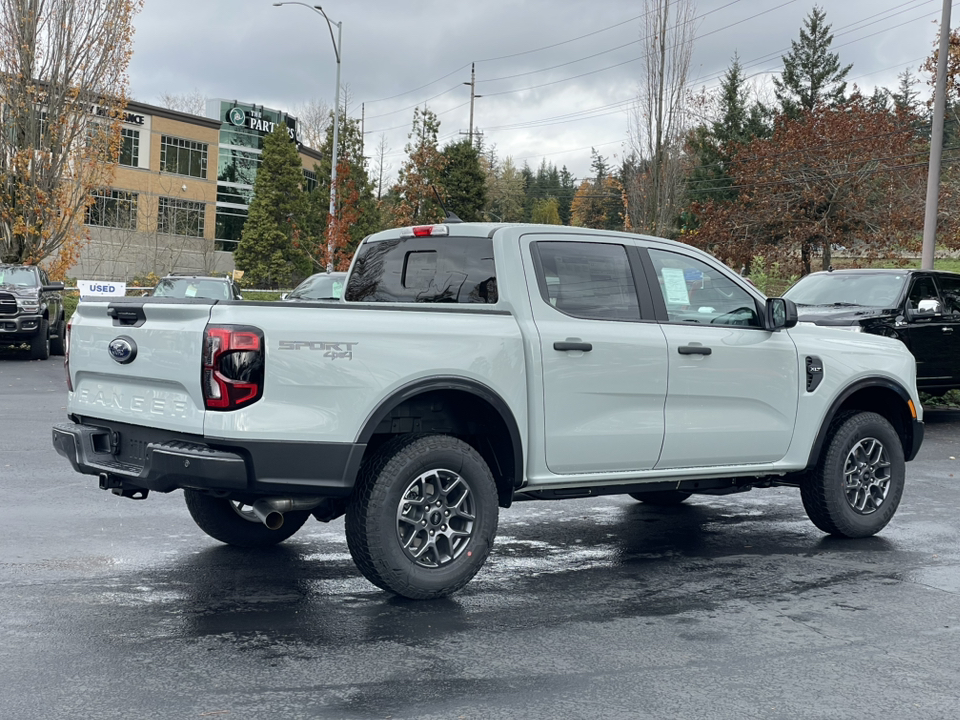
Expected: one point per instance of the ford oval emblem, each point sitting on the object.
(122, 349)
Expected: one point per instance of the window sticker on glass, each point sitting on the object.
(337, 289)
(191, 291)
(674, 286)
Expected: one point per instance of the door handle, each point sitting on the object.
(694, 350)
(948, 329)
(563, 346)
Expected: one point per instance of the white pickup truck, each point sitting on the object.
(469, 366)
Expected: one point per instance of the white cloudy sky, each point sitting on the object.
(558, 76)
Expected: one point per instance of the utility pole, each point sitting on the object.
(936, 144)
(363, 114)
(473, 96)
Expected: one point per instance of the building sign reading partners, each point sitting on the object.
(254, 120)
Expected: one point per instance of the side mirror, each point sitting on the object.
(780, 313)
(283, 296)
(53, 287)
(927, 308)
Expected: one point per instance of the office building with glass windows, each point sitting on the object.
(181, 190)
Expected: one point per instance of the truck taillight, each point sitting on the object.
(232, 366)
(66, 357)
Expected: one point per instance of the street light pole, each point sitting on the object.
(337, 45)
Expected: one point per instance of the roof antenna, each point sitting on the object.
(448, 217)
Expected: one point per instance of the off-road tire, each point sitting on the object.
(827, 497)
(40, 343)
(58, 343)
(661, 497)
(385, 502)
(220, 519)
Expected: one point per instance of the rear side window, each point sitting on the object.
(950, 290)
(424, 270)
(588, 280)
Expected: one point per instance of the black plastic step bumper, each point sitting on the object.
(166, 465)
(135, 456)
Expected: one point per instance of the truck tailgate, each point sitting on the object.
(160, 384)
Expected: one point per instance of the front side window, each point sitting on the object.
(183, 157)
(923, 296)
(180, 217)
(695, 292)
(588, 280)
(113, 209)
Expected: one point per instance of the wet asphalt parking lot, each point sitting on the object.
(726, 607)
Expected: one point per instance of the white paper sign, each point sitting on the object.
(101, 288)
(675, 286)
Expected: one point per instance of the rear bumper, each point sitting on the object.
(131, 456)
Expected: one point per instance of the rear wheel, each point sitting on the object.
(855, 488)
(423, 516)
(233, 522)
(40, 343)
(58, 343)
(661, 497)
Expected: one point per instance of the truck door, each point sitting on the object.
(604, 365)
(734, 386)
(932, 333)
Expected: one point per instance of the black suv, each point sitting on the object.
(197, 286)
(31, 311)
(919, 307)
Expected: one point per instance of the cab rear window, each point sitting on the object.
(424, 270)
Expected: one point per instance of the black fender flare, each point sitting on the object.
(841, 398)
(473, 387)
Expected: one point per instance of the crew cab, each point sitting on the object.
(31, 311)
(470, 366)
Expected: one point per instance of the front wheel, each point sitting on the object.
(40, 343)
(855, 488)
(423, 516)
(233, 522)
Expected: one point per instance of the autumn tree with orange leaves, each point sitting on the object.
(849, 174)
(63, 89)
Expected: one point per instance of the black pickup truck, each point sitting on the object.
(31, 311)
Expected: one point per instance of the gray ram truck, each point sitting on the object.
(471, 366)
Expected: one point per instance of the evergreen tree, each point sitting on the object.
(811, 73)
(905, 97)
(599, 166)
(464, 181)
(421, 172)
(568, 188)
(714, 145)
(529, 191)
(269, 250)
